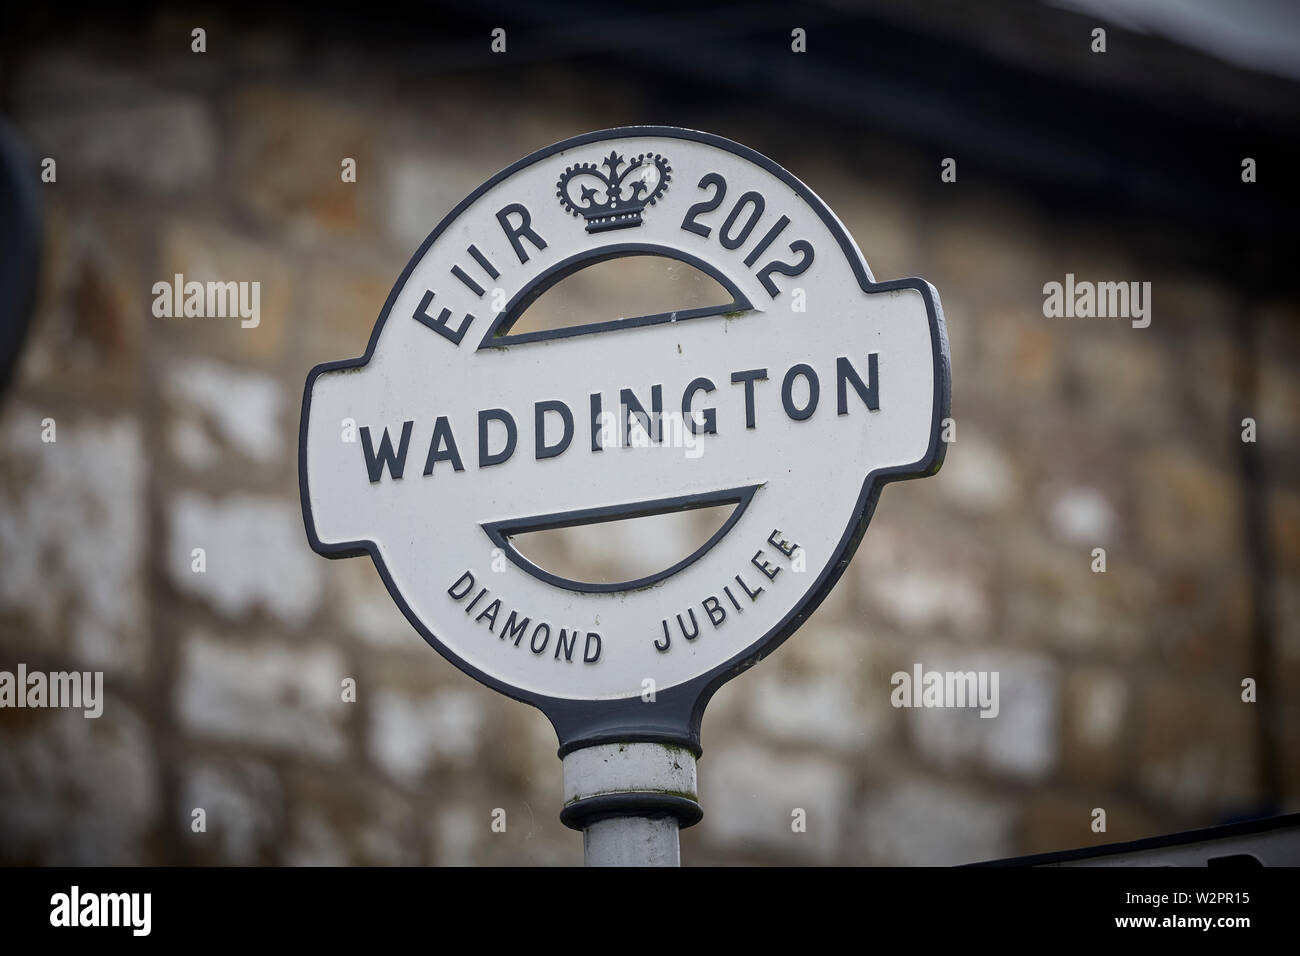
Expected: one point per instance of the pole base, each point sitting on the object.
(630, 800)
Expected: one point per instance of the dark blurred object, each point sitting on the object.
(1274, 841)
(1153, 131)
(19, 251)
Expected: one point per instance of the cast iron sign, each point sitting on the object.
(803, 393)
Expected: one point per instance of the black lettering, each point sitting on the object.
(651, 424)
(439, 324)
(745, 587)
(442, 447)
(749, 377)
(710, 424)
(595, 422)
(546, 638)
(468, 580)
(787, 392)
(587, 656)
(512, 629)
(768, 569)
(566, 642)
(539, 426)
(710, 181)
(490, 613)
(756, 204)
(784, 546)
(732, 598)
(695, 628)
(375, 463)
(717, 614)
(512, 433)
(466, 281)
(845, 373)
(805, 251)
(525, 229)
(766, 241)
(486, 263)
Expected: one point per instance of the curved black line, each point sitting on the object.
(676, 717)
(581, 814)
(496, 336)
(500, 532)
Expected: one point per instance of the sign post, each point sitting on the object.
(630, 800)
(798, 398)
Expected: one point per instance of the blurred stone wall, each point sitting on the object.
(1119, 690)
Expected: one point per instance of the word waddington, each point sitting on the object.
(554, 421)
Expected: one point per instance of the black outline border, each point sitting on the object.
(500, 532)
(1188, 839)
(497, 336)
(676, 714)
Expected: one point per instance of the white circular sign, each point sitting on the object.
(794, 401)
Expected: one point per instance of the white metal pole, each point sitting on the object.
(632, 841)
(630, 800)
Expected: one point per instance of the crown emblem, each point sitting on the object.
(613, 199)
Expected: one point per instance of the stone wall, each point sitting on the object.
(1119, 690)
